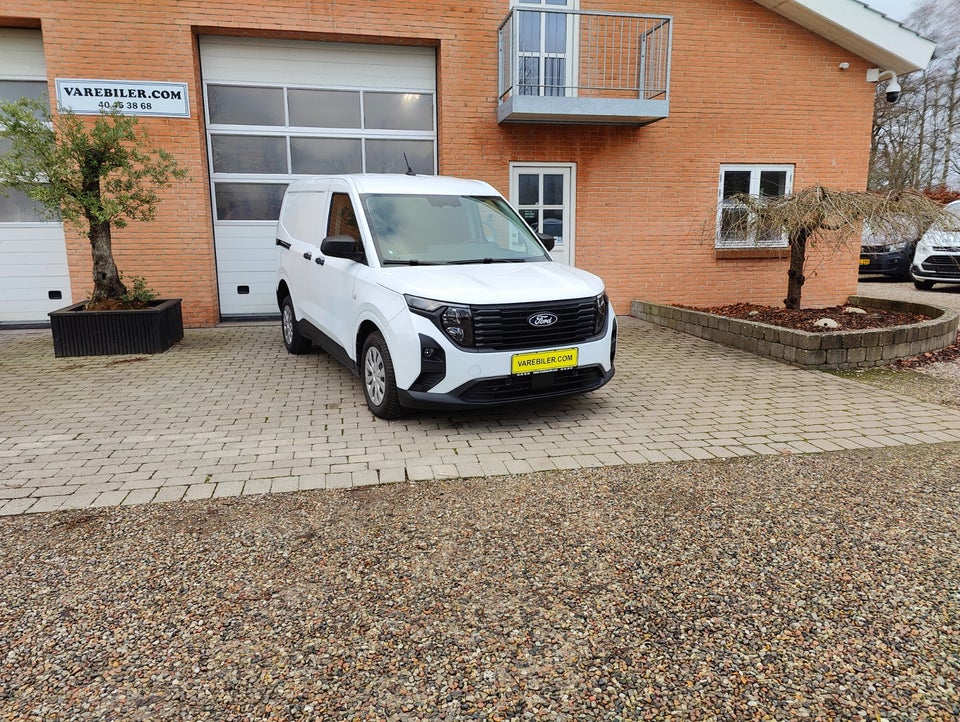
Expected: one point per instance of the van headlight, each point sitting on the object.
(602, 305)
(456, 321)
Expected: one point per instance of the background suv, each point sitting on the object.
(883, 255)
(937, 259)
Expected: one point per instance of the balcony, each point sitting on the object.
(571, 66)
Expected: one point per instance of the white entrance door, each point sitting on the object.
(544, 193)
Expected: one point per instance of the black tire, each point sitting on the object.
(923, 285)
(376, 374)
(292, 339)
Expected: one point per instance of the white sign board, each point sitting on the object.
(130, 97)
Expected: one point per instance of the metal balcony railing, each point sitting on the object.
(572, 66)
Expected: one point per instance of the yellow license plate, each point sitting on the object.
(864, 261)
(529, 363)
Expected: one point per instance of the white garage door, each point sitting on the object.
(34, 278)
(281, 110)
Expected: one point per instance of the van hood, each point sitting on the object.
(492, 283)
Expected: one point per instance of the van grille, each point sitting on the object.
(506, 328)
(941, 266)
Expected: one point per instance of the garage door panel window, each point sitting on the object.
(317, 156)
(11, 90)
(249, 201)
(248, 154)
(324, 108)
(17, 207)
(735, 226)
(387, 156)
(245, 105)
(398, 111)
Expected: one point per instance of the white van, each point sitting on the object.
(937, 259)
(437, 294)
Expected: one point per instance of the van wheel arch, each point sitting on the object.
(282, 292)
(377, 375)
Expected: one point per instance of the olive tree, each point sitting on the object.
(834, 219)
(96, 174)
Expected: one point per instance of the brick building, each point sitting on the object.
(617, 126)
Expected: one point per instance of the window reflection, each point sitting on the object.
(387, 156)
(325, 155)
(249, 201)
(244, 105)
(11, 90)
(18, 207)
(324, 108)
(248, 154)
(398, 111)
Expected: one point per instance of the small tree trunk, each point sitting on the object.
(106, 277)
(796, 279)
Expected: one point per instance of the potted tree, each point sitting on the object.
(95, 175)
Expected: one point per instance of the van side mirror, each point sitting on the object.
(547, 240)
(341, 247)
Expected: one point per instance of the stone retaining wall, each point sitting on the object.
(827, 350)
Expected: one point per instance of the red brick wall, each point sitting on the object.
(747, 86)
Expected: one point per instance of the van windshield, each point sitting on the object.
(434, 229)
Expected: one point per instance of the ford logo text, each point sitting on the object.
(540, 320)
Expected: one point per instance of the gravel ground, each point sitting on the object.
(821, 587)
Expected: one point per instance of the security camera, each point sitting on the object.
(893, 91)
(875, 75)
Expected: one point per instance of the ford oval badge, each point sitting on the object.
(539, 320)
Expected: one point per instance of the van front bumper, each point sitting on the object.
(511, 389)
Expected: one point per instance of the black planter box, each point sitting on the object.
(78, 332)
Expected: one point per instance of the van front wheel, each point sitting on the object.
(379, 384)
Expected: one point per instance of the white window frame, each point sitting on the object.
(567, 253)
(723, 204)
(570, 55)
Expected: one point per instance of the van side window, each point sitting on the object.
(343, 220)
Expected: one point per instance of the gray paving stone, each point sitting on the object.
(199, 430)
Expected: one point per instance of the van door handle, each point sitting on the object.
(319, 260)
(308, 255)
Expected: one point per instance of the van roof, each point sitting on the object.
(398, 183)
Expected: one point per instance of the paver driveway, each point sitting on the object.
(229, 412)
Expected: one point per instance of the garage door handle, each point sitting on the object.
(308, 255)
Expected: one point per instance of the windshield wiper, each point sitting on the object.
(409, 262)
(488, 260)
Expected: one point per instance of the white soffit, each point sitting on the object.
(861, 30)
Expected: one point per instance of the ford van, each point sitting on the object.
(437, 294)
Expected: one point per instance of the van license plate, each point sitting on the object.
(528, 363)
(864, 261)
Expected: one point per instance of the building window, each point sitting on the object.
(546, 40)
(735, 228)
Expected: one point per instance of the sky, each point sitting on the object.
(896, 9)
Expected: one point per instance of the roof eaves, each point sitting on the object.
(860, 29)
